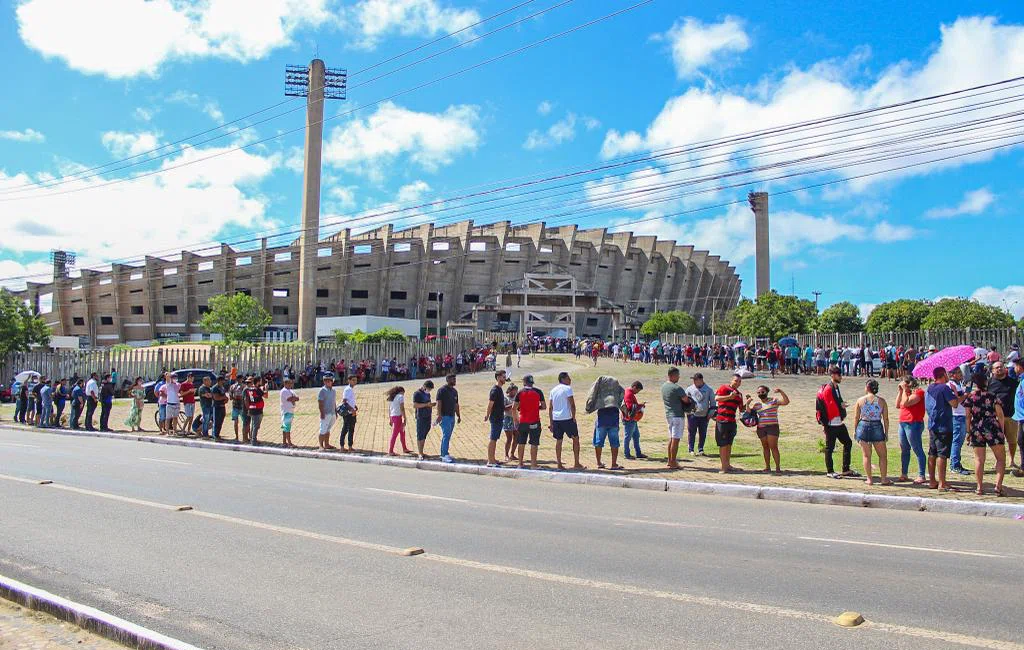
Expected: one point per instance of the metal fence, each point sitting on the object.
(149, 362)
(1001, 338)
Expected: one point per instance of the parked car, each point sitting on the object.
(181, 375)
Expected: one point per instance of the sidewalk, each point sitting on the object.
(22, 629)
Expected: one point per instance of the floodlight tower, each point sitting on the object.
(316, 83)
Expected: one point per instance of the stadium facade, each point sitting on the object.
(485, 277)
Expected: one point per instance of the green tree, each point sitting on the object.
(19, 327)
(236, 317)
(842, 317)
(385, 334)
(902, 315)
(774, 316)
(958, 313)
(669, 322)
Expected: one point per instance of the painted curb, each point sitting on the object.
(88, 618)
(793, 495)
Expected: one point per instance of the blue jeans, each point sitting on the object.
(632, 432)
(910, 438)
(959, 435)
(696, 424)
(47, 413)
(20, 405)
(447, 427)
(207, 419)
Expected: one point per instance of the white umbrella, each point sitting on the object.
(25, 375)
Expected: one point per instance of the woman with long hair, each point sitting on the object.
(396, 415)
(872, 418)
(910, 402)
(985, 428)
(138, 395)
(768, 424)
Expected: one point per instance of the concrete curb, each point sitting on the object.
(794, 495)
(88, 618)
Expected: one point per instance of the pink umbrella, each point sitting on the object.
(947, 358)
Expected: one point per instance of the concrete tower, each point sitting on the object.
(759, 204)
(311, 202)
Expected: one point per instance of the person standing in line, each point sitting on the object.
(495, 416)
(985, 419)
(350, 413)
(562, 420)
(20, 394)
(632, 411)
(529, 402)
(1004, 387)
(768, 424)
(255, 399)
(831, 411)
(606, 397)
(422, 405)
(509, 422)
(35, 403)
(703, 399)
(872, 416)
(236, 393)
(77, 403)
(448, 414)
(939, 401)
(220, 401)
(205, 393)
(138, 397)
(171, 392)
(326, 400)
(910, 402)
(60, 396)
(161, 405)
(672, 396)
(728, 399)
(187, 399)
(92, 398)
(396, 416)
(46, 401)
(288, 401)
(1018, 411)
(106, 402)
(956, 378)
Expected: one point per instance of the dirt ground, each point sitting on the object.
(802, 459)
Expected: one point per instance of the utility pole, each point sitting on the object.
(816, 294)
(317, 84)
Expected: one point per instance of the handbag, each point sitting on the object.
(749, 418)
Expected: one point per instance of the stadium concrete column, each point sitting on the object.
(311, 202)
(759, 204)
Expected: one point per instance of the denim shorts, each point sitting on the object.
(496, 429)
(163, 412)
(870, 432)
(611, 434)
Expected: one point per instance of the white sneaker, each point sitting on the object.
(447, 459)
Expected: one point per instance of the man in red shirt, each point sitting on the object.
(729, 399)
(187, 395)
(529, 403)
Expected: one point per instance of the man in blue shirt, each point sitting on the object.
(77, 403)
(939, 401)
(46, 400)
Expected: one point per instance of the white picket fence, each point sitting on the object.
(1001, 338)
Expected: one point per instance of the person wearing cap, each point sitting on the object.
(422, 406)
(672, 396)
(728, 399)
(703, 398)
(831, 411)
(326, 399)
(448, 415)
(529, 402)
(562, 419)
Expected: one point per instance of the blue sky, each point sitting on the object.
(96, 84)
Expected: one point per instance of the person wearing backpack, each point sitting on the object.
(830, 412)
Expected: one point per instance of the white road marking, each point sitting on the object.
(162, 460)
(416, 495)
(93, 493)
(17, 444)
(902, 547)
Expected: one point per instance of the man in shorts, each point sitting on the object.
(170, 391)
(288, 401)
(422, 405)
(187, 399)
(939, 402)
(495, 415)
(673, 396)
(729, 400)
(326, 401)
(529, 403)
(562, 420)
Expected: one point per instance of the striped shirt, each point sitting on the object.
(767, 413)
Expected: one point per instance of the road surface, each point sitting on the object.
(298, 553)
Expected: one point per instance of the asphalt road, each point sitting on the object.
(297, 553)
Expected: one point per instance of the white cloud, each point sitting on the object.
(412, 192)
(974, 202)
(428, 140)
(695, 45)
(564, 130)
(971, 51)
(885, 231)
(189, 204)
(1010, 298)
(865, 309)
(143, 114)
(591, 123)
(28, 135)
(545, 107)
(343, 197)
(212, 109)
(296, 160)
(39, 272)
(123, 144)
(375, 19)
(91, 36)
